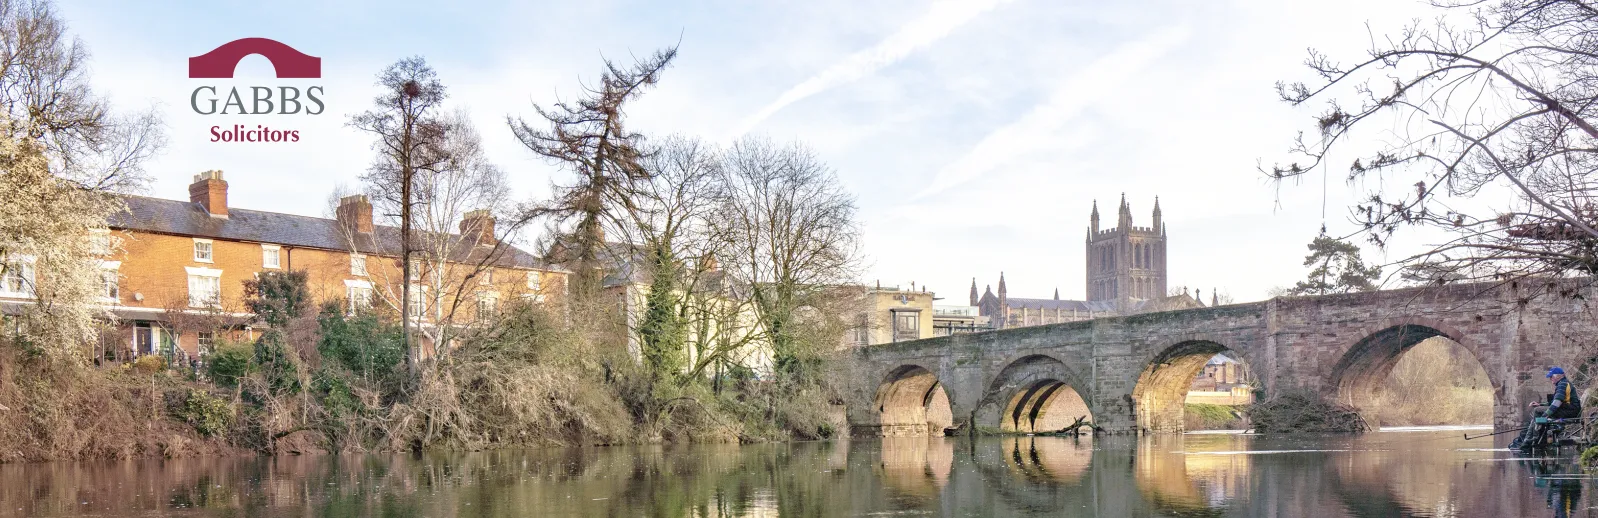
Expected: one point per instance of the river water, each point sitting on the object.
(1431, 472)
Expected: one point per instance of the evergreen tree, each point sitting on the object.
(1337, 268)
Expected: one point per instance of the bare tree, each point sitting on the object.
(1491, 98)
(45, 93)
(62, 153)
(589, 138)
(409, 133)
(791, 238)
(462, 224)
(694, 317)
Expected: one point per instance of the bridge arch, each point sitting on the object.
(1035, 393)
(1160, 395)
(1359, 377)
(912, 401)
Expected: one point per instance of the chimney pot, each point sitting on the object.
(210, 191)
(355, 213)
(478, 227)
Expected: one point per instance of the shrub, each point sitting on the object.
(1589, 458)
(210, 415)
(277, 363)
(150, 364)
(363, 344)
(229, 362)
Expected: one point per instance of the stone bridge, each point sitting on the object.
(1132, 373)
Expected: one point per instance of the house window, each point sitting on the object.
(360, 298)
(418, 306)
(108, 284)
(358, 265)
(486, 278)
(271, 256)
(486, 304)
(861, 331)
(205, 287)
(100, 242)
(906, 325)
(17, 278)
(207, 342)
(535, 281)
(202, 251)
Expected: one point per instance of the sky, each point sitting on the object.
(975, 134)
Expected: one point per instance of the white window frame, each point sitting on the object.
(358, 265)
(114, 294)
(204, 273)
(535, 281)
(21, 269)
(486, 278)
(418, 302)
(210, 251)
(100, 241)
(492, 299)
(276, 255)
(204, 349)
(353, 303)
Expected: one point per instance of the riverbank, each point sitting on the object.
(531, 385)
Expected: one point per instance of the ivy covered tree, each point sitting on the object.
(1336, 267)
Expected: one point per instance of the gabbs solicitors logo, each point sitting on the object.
(255, 100)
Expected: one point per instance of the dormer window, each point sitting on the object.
(202, 251)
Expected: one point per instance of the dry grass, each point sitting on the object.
(1437, 382)
(56, 411)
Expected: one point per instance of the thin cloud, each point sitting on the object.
(943, 18)
(1040, 127)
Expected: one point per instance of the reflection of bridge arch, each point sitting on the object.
(916, 468)
(911, 401)
(1161, 391)
(1035, 393)
(1360, 376)
(1037, 474)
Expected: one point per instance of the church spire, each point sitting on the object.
(1125, 221)
(1056, 293)
(1002, 291)
(1094, 230)
(1156, 226)
(974, 291)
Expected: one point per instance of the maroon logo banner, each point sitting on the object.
(287, 62)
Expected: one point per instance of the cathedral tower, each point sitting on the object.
(1125, 262)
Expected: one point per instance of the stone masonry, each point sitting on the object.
(1133, 371)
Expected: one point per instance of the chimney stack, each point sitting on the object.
(210, 191)
(355, 214)
(478, 227)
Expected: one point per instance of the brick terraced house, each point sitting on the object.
(174, 271)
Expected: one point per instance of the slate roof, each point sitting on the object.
(190, 219)
(1065, 305)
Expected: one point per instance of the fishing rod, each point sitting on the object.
(1468, 437)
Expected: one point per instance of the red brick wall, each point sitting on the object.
(153, 265)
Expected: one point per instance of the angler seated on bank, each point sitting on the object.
(1565, 402)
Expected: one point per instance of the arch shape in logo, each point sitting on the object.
(287, 62)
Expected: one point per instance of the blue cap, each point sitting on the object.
(1553, 371)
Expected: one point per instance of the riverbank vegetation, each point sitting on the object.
(727, 265)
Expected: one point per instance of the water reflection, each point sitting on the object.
(1381, 474)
